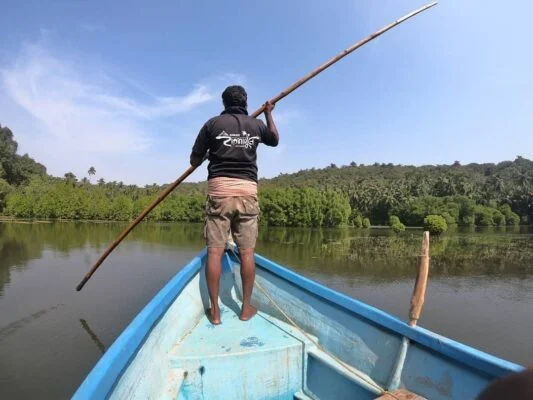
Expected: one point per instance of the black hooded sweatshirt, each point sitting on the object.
(232, 139)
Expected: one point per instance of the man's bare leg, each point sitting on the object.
(248, 277)
(213, 271)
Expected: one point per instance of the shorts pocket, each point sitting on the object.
(213, 206)
(250, 206)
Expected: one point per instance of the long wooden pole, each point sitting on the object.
(133, 224)
(343, 54)
(417, 301)
(256, 113)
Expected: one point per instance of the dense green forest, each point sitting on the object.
(474, 194)
(15, 170)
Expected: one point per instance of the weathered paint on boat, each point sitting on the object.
(171, 351)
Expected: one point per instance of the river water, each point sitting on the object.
(480, 290)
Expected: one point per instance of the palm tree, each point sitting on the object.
(91, 172)
(70, 177)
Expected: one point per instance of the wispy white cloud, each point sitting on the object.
(82, 114)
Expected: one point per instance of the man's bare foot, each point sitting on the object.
(213, 315)
(247, 312)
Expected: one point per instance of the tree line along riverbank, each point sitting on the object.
(351, 195)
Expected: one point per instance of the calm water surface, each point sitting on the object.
(480, 290)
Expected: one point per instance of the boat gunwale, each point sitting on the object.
(103, 377)
(461, 353)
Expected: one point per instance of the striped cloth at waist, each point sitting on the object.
(231, 187)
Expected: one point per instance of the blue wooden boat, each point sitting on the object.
(307, 342)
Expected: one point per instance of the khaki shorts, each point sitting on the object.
(240, 214)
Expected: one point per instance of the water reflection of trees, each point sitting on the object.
(384, 255)
(66, 236)
(22, 242)
(13, 253)
(376, 253)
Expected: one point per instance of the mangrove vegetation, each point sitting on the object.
(351, 195)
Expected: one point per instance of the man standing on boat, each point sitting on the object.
(232, 139)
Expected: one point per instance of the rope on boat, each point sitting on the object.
(346, 366)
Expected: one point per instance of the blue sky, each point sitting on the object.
(124, 86)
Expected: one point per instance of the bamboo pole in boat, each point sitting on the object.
(256, 113)
(419, 291)
(417, 301)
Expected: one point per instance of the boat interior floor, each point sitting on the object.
(253, 357)
(235, 337)
(250, 359)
